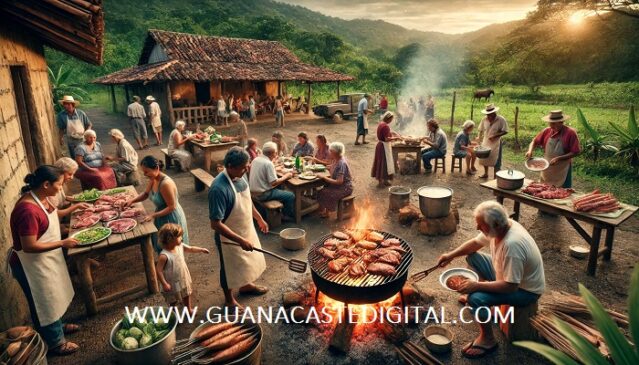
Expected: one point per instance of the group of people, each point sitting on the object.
(137, 117)
(245, 108)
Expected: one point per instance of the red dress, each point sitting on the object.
(379, 170)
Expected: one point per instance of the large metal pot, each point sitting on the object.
(482, 152)
(399, 197)
(158, 353)
(434, 201)
(510, 179)
(293, 238)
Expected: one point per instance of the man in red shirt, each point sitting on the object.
(383, 104)
(560, 144)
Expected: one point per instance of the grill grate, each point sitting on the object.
(319, 264)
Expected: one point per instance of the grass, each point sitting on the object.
(601, 103)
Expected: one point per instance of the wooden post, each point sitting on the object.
(517, 145)
(126, 94)
(308, 109)
(452, 113)
(279, 88)
(113, 106)
(169, 104)
(338, 89)
(472, 109)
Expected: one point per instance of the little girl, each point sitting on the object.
(171, 268)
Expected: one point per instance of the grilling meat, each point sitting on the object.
(374, 236)
(398, 249)
(338, 265)
(333, 243)
(327, 253)
(378, 268)
(391, 242)
(389, 259)
(387, 251)
(341, 235)
(357, 235)
(357, 269)
(369, 257)
(347, 252)
(367, 245)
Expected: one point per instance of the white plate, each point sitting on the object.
(108, 225)
(306, 177)
(91, 242)
(457, 271)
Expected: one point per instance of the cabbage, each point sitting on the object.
(140, 324)
(160, 334)
(120, 336)
(161, 325)
(136, 333)
(149, 329)
(146, 340)
(126, 324)
(129, 343)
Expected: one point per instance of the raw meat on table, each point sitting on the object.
(86, 222)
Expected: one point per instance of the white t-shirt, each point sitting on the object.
(262, 175)
(517, 259)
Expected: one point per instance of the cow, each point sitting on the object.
(485, 93)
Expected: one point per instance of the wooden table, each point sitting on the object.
(298, 187)
(140, 235)
(208, 148)
(398, 148)
(599, 223)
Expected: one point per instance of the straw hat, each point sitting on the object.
(556, 116)
(150, 98)
(68, 99)
(490, 108)
(388, 115)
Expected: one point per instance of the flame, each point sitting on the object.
(337, 308)
(365, 216)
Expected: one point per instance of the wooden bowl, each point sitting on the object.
(438, 339)
(579, 251)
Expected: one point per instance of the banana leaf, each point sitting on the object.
(587, 353)
(633, 129)
(556, 356)
(633, 305)
(594, 135)
(621, 133)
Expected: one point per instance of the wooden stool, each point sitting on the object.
(440, 162)
(521, 328)
(168, 160)
(346, 207)
(273, 210)
(456, 163)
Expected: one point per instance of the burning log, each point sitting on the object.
(341, 340)
(408, 214)
(291, 299)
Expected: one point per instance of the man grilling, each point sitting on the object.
(512, 274)
(231, 212)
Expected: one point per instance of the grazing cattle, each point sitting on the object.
(485, 93)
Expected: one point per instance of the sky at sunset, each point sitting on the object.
(446, 16)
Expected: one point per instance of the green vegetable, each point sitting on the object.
(120, 336)
(130, 343)
(146, 340)
(115, 191)
(149, 329)
(136, 333)
(88, 195)
(92, 235)
(160, 334)
(161, 325)
(126, 324)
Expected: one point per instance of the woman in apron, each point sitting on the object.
(163, 193)
(491, 129)
(36, 259)
(384, 164)
(560, 144)
(231, 212)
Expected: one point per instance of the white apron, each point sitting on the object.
(365, 118)
(75, 129)
(47, 274)
(390, 162)
(555, 174)
(242, 267)
(493, 145)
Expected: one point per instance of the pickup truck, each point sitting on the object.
(346, 106)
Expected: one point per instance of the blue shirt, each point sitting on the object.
(91, 158)
(361, 107)
(306, 150)
(462, 139)
(222, 196)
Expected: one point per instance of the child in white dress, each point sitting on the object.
(173, 274)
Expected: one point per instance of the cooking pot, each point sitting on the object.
(399, 197)
(434, 201)
(510, 179)
(482, 152)
(292, 238)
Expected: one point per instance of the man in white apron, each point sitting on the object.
(560, 144)
(362, 118)
(231, 212)
(491, 129)
(72, 123)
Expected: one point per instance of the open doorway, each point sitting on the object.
(26, 115)
(202, 92)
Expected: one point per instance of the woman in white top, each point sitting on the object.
(176, 146)
(125, 163)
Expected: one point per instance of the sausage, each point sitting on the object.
(221, 335)
(228, 341)
(234, 351)
(591, 200)
(601, 203)
(587, 196)
(586, 199)
(212, 330)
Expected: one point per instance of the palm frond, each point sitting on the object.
(556, 356)
(633, 299)
(633, 129)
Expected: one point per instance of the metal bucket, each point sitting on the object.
(434, 201)
(399, 197)
(293, 238)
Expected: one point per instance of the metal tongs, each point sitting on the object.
(293, 264)
(423, 274)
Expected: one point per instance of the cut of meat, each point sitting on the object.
(334, 243)
(387, 251)
(341, 235)
(389, 259)
(86, 222)
(108, 215)
(374, 236)
(102, 208)
(547, 191)
(391, 242)
(454, 282)
(367, 245)
(132, 213)
(378, 268)
(326, 253)
(347, 252)
(357, 235)
(369, 257)
(357, 269)
(398, 249)
(122, 225)
(338, 265)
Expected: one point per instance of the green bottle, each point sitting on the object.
(298, 163)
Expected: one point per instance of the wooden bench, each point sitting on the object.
(272, 210)
(521, 329)
(346, 207)
(201, 179)
(455, 163)
(168, 160)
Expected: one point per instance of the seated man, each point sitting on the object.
(263, 180)
(303, 147)
(512, 274)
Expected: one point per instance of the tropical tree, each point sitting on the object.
(629, 139)
(594, 140)
(61, 85)
(622, 351)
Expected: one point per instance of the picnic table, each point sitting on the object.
(398, 148)
(81, 255)
(560, 207)
(208, 148)
(298, 187)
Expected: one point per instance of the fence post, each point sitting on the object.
(517, 146)
(472, 109)
(452, 113)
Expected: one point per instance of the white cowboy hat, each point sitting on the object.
(150, 98)
(556, 116)
(490, 108)
(68, 99)
(387, 115)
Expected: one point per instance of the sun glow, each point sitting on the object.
(578, 17)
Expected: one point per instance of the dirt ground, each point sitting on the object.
(298, 344)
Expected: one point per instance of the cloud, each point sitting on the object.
(447, 16)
